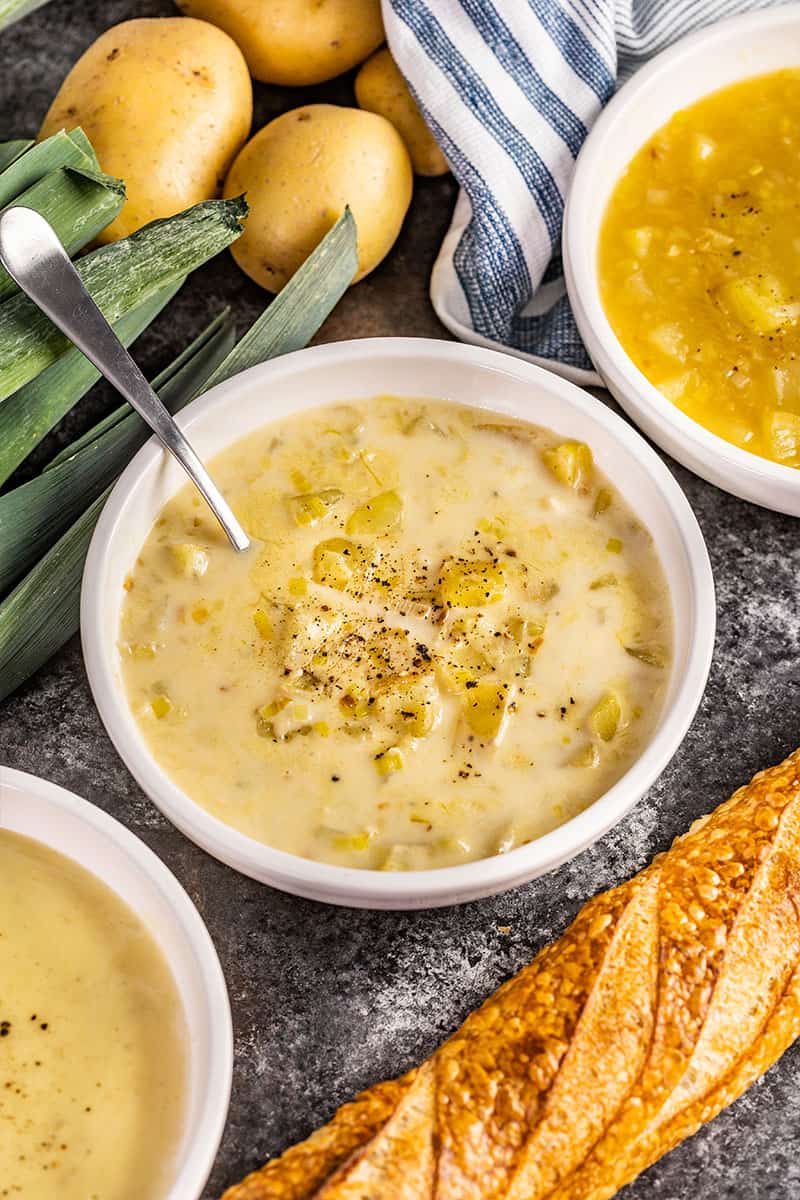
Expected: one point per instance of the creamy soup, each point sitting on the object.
(699, 263)
(449, 636)
(92, 1044)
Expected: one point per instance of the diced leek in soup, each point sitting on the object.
(699, 262)
(450, 636)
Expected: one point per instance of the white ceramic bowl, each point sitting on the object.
(95, 841)
(411, 367)
(701, 63)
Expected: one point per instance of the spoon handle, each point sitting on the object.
(35, 259)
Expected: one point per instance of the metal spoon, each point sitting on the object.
(35, 259)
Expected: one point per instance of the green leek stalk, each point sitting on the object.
(42, 612)
(30, 414)
(15, 10)
(34, 515)
(124, 410)
(26, 168)
(120, 277)
(53, 590)
(11, 151)
(78, 205)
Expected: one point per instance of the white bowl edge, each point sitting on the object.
(723, 53)
(101, 845)
(412, 367)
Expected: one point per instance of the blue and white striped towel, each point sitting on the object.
(510, 88)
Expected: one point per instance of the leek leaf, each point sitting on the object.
(77, 204)
(11, 151)
(15, 10)
(42, 613)
(120, 277)
(28, 415)
(61, 150)
(34, 515)
(125, 410)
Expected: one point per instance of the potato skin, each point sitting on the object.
(296, 42)
(166, 103)
(301, 170)
(381, 88)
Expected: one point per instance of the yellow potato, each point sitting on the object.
(296, 42)
(166, 103)
(300, 171)
(380, 88)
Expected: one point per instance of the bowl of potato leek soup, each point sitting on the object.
(474, 623)
(681, 253)
(115, 1032)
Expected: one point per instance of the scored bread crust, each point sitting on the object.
(663, 1001)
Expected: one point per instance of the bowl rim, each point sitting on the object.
(664, 419)
(441, 885)
(203, 1136)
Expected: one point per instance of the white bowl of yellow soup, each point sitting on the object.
(681, 253)
(474, 625)
(117, 1029)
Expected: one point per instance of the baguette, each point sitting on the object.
(663, 1001)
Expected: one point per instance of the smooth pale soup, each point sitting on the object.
(92, 1039)
(699, 262)
(450, 636)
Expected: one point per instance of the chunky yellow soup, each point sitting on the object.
(699, 261)
(450, 636)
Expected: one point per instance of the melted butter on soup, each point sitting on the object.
(92, 1043)
(450, 636)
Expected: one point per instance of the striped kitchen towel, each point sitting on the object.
(510, 88)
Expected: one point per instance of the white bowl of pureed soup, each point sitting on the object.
(115, 1028)
(473, 626)
(681, 253)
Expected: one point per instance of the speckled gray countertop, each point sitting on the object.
(326, 1001)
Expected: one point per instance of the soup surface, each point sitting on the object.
(92, 1045)
(699, 261)
(450, 636)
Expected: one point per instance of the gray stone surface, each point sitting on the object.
(326, 1001)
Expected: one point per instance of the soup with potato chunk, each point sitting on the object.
(699, 265)
(450, 635)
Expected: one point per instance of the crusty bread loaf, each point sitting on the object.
(663, 1001)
